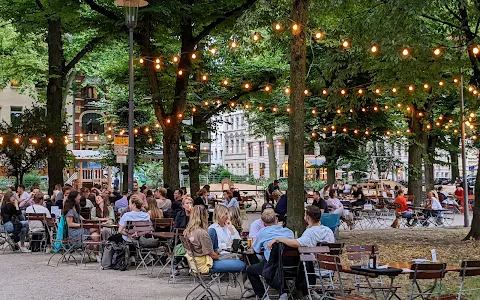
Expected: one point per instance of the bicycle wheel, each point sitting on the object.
(254, 205)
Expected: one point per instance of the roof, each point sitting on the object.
(88, 154)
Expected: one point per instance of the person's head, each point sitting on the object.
(459, 187)
(400, 192)
(125, 193)
(312, 215)
(152, 207)
(178, 194)
(227, 194)
(332, 194)
(72, 202)
(135, 203)
(99, 200)
(432, 194)
(83, 201)
(316, 195)
(268, 217)
(163, 192)
(20, 189)
(440, 188)
(202, 193)
(275, 183)
(135, 186)
(149, 193)
(354, 188)
(38, 199)
(9, 197)
(198, 220)
(207, 187)
(235, 215)
(74, 196)
(220, 214)
(187, 204)
(34, 192)
(66, 192)
(276, 195)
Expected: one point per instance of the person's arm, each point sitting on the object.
(289, 242)
(71, 223)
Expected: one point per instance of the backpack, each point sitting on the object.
(115, 256)
(17, 228)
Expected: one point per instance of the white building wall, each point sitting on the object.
(12, 101)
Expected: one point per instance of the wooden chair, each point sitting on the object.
(34, 236)
(335, 248)
(85, 212)
(140, 229)
(435, 272)
(89, 245)
(163, 224)
(335, 290)
(310, 266)
(470, 268)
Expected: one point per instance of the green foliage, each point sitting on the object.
(152, 171)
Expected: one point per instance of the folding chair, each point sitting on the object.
(62, 244)
(205, 281)
(310, 266)
(140, 229)
(163, 224)
(6, 239)
(90, 246)
(336, 289)
(174, 258)
(470, 268)
(435, 272)
(34, 236)
(332, 221)
(354, 254)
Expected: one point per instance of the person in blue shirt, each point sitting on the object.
(271, 231)
(229, 199)
(122, 204)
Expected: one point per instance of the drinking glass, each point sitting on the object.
(364, 261)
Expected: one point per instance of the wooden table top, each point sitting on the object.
(408, 265)
(166, 235)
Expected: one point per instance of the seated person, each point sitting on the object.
(229, 199)
(205, 256)
(358, 196)
(71, 211)
(442, 196)
(38, 227)
(313, 235)
(281, 208)
(66, 191)
(236, 218)
(135, 214)
(103, 212)
(222, 232)
(162, 201)
(335, 204)
(178, 202)
(30, 201)
(258, 224)
(202, 198)
(271, 231)
(121, 205)
(10, 211)
(183, 215)
(319, 202)
(402, 209)
(152, 208)
(433, 208)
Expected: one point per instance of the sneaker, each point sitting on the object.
(48, 250)
(25, 250)
(248, 294)
(283, 296)
(175, 273)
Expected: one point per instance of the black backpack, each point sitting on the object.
(115, 256)
(17, 228)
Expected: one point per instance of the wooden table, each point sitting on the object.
(165, 235)
(408, 265)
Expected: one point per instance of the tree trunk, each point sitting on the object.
(171, 157)
(296, 169)
(428, 161)
(193, 155)
(331, 174)
(56, 63)
(415, 151)
(272, 160)
(22, 174)
(474, 233)
(455, 141)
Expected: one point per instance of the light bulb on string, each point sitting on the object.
(288, 109)
(247, 85)
(158, 125)
(345, 129)
(474, 137)
(346, 44)
(295, 28)
(141, 60)
(408, 130)
(377, 91)
(247, 106)
(388, 133)
(277, 26)
(225, 82)
(420, 114)
(204, 77)
(260, 108)
(325, 92)
(286, 90)
(399, 105)
(394, 90)
(212, 51)
(398, 132)
(157, 61)
(387, 107)
(360, 91)
(367, 132)
(440, 83)
(426, 86)
(318, 35)
(267, 88)
(325, 129)
(472, 115)
(314, 134)
(306, 92)
(256, 37)
(405, 52)
(374, 49)
(375, 108)
(274, 109)
(233, 44)
(343, 92)
(158, 66)
(206, 103)
(194, 55)
(411, 88)
(475, 92)
(180, 72)
(147, 129)
(50, 140)
(364, 109)
(34, 141)
(440, 117)
(109, 136)
(351, 110)
(455, 80)
(314, 111)
(176, 58)
(339, 111)
(233, 104)
(194, 109)
(437, 52)
(438, 124)
(475, 50)
(333, 127)
(355, 131)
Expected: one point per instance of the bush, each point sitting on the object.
(31, 179)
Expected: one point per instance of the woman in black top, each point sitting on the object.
(11, 218)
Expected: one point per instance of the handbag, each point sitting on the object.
(145, 242)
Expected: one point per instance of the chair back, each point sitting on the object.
(329, 262)
(428, 271)
(178, 235)
(85, 212)
(35, 217)
(140, 228)
(314, 250)
(92, 224)
(165, 224)
(354, 253)
(470, 268)
(335, 248)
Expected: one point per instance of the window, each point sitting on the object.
(286, 148)
(242, 144)
(250, 169)
(261, 146)
(237, 146)
(237, 123)
(262, 169)
(91, 123)
(226, 143)
(15, 112)
(221, 154)
(226, 166)
(250, 150)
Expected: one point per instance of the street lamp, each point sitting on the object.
(131, 17)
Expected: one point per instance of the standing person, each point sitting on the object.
(162, 201)
(319, 202)
(269, 190)
(229, 199)
(206, 257)
(271, 231)
(183, 215)
(459, 194)
(314, 234)
(22, 194)
(11, 214)
(139, 194)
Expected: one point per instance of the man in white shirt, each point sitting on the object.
(258, 224)
(22, 194)
(37, 208)
(314, 234)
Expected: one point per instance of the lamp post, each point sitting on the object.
(131, 16)
(466, 220)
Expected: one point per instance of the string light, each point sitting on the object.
(339, 111)
(295, 28)
(267, 88)
(375, 108)
(158, 66)
(314, 111)
(377, 91)
(346, 44)
(260, 108)
(411, 88)
(180, 72)
(440, 83)
(176, 59)
(204, 77)
(405, 52)
(109, 136)
(50, 140)
(374, 49)
(475, 50)
(194, 56)
(440, 117)
(247, 106)
(158, 125)
(325, 92)
(426, 86)
(408, 108)
(318, 35)
(345, 129)
(225, 82)
(147, 129)
(168, 121)
(387, 107)
(438, 124)
(246, 85)
(367, 132)
(206, 103)
(157, 61)
(437, 52)
(355, 131)
(314, 134)
(194, 109)
(394, 90)
(233, 44)
(274, 109)
(420, 114)
(360, 91)
(150, 140)
(472, 115)
(135, 131)
(141, 60)
(256, 37)
(399, 105)
(343, 91)
(363, 109)
(470, 88)
(34, 141)
(212, 51)
(455, 80)
(306, 92)
(232, 104)
(288, 109)
(81, 140)
(286, 91)
(277, 26)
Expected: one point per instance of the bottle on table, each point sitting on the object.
(373, 259)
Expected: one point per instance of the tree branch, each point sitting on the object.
(40, 5)
(207, 29)
(453, 13)
(102, 10)
(440, 21)
(88, 47)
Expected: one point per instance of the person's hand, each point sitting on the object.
(270, 245)
(228, 223)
